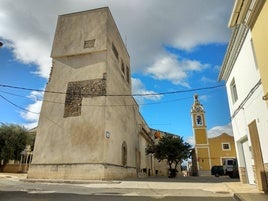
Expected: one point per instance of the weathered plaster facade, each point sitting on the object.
(90, 126)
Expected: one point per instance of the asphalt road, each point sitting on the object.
(25, 196)
(149, 189)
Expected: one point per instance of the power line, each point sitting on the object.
(142, 94)
(30, 89)
(180, 91)
(117, 105)
(17, 95)
(94, 105)
(123, 105)
(21, 108)
(17, 105)
(122, 95)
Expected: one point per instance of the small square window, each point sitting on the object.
(89, 43)
(226, 146)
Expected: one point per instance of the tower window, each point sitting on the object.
(199, 121)
(128, 74)
(122, 67)
(233, 91)
(115, 52)
(124, 153)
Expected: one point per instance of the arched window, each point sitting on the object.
(199, 120)
(124, 153)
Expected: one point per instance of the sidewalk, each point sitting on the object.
(241, 192)
(246, 192)
(190, 186)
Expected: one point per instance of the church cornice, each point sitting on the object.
(237, 39)
(245, 12)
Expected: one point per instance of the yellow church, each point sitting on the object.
(208, 151)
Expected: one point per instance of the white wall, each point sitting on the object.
(246, 75)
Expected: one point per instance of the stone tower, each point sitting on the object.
(202, 151)
(88, 125)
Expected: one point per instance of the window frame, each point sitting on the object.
(226, 143)
(233, 89)
(199, 120)
(115, 52)
(128, 74)
(122, 67)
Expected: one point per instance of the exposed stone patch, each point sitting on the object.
(78, 90)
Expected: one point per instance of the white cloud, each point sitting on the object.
(176, 70)
(33, 110)
(218, 130)
(144, 25)
(139, 88)
(207, 80)
(26, 52)
(36, 95)
(190, 140)
(28, 28)
(203, 97)
(30, 125)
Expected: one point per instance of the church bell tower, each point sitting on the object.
(201, 149)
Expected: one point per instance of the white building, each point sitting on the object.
(249, 112)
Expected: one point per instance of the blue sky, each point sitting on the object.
(173, 46)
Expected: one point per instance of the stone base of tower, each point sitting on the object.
(80, 171)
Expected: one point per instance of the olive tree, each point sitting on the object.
(13, 139)
(171, 148)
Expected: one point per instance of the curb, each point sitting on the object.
(238, 197)
(70, 181)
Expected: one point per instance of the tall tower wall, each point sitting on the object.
(88, 126)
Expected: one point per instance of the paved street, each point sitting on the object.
(16, 187)
(23, 196)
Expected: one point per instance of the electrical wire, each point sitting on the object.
(12, 94)
(94, 105)
(142, 94)
(124, 105)
(17, 105)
